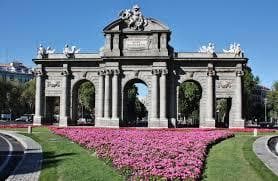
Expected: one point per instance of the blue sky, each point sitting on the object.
(253, 24)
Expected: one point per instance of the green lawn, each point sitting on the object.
(66, 161)
(234, 159)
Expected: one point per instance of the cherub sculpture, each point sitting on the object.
(234, 49)
(208, 49)
(69, 52)
(43, 53)
(49, 50)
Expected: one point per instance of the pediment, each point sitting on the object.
(121, 25)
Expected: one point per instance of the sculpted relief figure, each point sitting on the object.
(234, 49)
(69, 52)
(134, 18)
(208, 49)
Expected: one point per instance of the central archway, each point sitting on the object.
(190, 94)
(83, 103)
(135, 104)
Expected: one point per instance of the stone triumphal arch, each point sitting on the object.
(137, 48)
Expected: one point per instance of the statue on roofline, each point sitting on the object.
(235, 49)
(134, 18)
(69, 52)
(43, 53)
(208, 49)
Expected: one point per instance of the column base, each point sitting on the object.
(208, 123)
(100, 122)
(63, 122)
(173, 122)
(113, 123)
(37, 120)
(107, 122)
(238, 123)
(158, 123)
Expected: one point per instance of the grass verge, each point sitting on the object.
(234, 159)
(65, 160)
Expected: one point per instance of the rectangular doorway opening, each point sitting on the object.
(52, 110)
(222, 114)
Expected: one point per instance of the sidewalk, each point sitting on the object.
(265, 155)
(29, 167)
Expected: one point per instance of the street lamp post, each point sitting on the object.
(265, 116)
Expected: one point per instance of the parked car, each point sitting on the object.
(266, 124)
(24, 119)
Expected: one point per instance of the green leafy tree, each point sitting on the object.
(3, 95)
(189, 97)
(272, 101)
(28, 96)
(12, 93)
(86, 96)
(135, 108)
(249, 84)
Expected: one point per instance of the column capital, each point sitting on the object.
(211, 73)
(115, 71)
(155, 71)
(108, 71)
(239, 73)
(101, 72)
(38, 73)
(65, 72)
(164, 71)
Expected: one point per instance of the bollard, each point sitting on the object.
(255, 132)
(29, 129)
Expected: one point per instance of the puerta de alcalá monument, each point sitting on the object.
(137, 50)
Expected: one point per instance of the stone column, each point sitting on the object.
(107, 95)
(210, 122)
(115, 95)
(154, 122)
(173, 105)
(64, 100)
(100, 93)
(163, 99)
(238, 122)
(38, 104)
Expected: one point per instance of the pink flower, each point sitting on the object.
(164, 154)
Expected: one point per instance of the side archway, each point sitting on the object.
(189, 96)
(135, 104)
(83, 103)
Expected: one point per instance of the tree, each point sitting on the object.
(86, 96)
(189, 97)
(135, 108)
(272, 101)
(3, 95)
(275, 85)
(249, 85)
(28, 96)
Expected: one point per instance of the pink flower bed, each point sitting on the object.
(149, 154)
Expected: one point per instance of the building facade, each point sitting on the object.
(136, 50)
(15, 71)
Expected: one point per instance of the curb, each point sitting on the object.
(29, 167)
(262, 151)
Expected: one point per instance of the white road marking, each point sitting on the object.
(8, 156)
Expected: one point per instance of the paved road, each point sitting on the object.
(11, 152)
